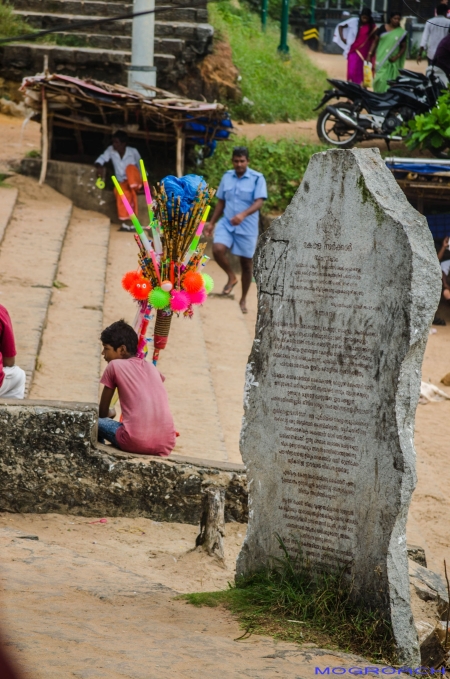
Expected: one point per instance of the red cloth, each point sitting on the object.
(148, 426)
(133, 184)
(7, 344)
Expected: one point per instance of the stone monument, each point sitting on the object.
(348, 283)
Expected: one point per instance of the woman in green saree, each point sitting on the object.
(390, 46)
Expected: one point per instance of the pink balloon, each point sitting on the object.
(179, 300)
(198, 297)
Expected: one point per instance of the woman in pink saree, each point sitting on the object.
(359, 49)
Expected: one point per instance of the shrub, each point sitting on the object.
(429, 129)
(283, 163)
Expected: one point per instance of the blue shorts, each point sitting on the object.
(241, 244)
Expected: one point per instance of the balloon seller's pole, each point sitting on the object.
(264, 5)
(283, 47)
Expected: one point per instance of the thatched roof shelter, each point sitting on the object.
(79, 116)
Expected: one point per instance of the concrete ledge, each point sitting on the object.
(50, 462)
(75, 181)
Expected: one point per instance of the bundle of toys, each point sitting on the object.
(170, 277)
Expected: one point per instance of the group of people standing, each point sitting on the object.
(363, 41)
(385, 46)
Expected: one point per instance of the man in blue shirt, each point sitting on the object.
(241, 194)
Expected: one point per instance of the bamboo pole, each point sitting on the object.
(180, 148)
(44, 129)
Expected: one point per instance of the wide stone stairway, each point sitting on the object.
(103, 51)
(60, 279)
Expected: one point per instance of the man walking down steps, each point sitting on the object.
(12, 378)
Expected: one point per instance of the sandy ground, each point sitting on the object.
(92, 600)
(430, 508)
(18, 138)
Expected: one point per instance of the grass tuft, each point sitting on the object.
(278, 89)
(11, 24)
(283, 163)
(290, 601)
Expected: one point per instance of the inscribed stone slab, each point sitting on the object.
(348, 283)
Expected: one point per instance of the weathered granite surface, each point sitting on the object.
(348, 283)
(50, 462)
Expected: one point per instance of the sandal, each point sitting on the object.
(229, 288)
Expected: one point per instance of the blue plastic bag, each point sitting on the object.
(184, 187)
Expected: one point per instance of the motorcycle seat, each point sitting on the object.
(413, 75)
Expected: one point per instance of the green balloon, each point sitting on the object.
(209, 283)
(159, 298)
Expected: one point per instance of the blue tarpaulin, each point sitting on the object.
(419, 165)
(421, 168)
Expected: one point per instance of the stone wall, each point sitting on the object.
(50, 462)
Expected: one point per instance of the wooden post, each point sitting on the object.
(212, 523)
(180, 148)
(44, 129)
(420, 202)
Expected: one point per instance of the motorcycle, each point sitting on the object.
(366, 115)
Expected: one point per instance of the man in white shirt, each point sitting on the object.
(125, 160)
(435, 30)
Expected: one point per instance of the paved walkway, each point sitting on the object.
(29, 255)
(68, 362)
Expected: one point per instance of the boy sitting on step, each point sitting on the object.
(147, 425)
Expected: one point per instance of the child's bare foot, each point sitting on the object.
(243, 306)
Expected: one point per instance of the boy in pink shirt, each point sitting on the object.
(147, 426)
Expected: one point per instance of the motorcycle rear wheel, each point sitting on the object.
(331, 130)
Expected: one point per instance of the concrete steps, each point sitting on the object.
(52, 281)
(91, 8)
(183, 30)
(8, 198)
(103, 51)
(29, 256)
(19, 59)
(67, 368)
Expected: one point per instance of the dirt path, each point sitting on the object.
(96, 601)
(18, 139)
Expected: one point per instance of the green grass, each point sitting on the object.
(290, 602)
(279, 89)
(3, 183)
(283, 163)
(10, 24)
(71, 40)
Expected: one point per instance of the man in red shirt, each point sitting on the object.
(12, 378)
